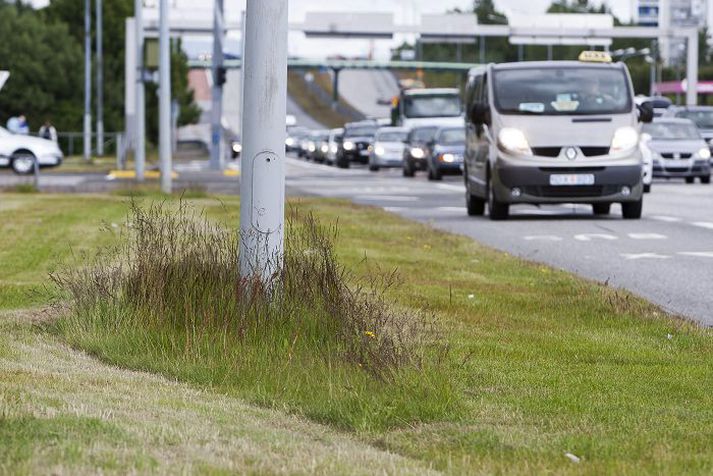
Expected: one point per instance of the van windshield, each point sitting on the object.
(443, 105)
(562, 91)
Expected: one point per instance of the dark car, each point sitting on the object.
(447, 151)
(358, 136)
(417, 150)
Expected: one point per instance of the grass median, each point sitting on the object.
(544, 372)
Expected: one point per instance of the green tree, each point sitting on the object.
(46, 69)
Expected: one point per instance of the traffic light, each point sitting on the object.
(220, 80)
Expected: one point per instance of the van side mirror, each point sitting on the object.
(646, 112)
(479, 113)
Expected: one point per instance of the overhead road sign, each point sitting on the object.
(299, 63)
(558, 23)
(339, 24)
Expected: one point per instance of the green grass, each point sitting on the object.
(541, 363)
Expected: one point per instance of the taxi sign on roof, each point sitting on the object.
(595, 57)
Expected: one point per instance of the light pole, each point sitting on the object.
(262, 177)
(100, 81)
(140, 135)
(87, 81)
(216, 159)
(164, 100)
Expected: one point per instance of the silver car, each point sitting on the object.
(388, 148)
(679, 150)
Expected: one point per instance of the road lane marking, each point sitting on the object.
(697, 254)
(451, 209)
(647, 236)
(637, 256)
(665, 218)
(703, 224)
(594, 236)
(390, 198)
(542, 238)
(455, 188)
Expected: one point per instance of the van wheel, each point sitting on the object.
(601, 208)
(632, 210)
(496, 209)
(474, 205)
(706, 179)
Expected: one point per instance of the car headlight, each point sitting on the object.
(348, 145)
(378, 150)
(311, 147)
(514, 140)
(704, 153)
(417, 153)
(333, 148)
(237, 148)
(448, 158)
(625, 138)
(324, 148)
(289, 142)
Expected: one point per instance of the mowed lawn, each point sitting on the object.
(553, 373)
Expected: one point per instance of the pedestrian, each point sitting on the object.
(13, 125)
(47, 131)
(24, 127)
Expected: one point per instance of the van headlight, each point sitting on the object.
(704, 153)
(625, 138)
(348, 145)
(514, 140)
(417, 153)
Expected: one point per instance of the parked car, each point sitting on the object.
(447, 151)
(702, 117)
(358, 136)
(335, 139)
(388, 148)
(679, 150)
(418, 143)
(19, 152)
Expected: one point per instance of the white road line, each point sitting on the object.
(390, 198)
(447, 186)
(542, 238)
(593, 236)
(647, 236)
(664, 218)
(451, 209)
(703, 224)
(697, 254)
(637, 256)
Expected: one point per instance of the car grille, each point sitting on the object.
(555, 151)
(577, 191)
(669, 155)
(362, 146)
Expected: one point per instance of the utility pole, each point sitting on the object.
(262, 178)
(87, 81)
(216, 128)
(140, 134)
(100, 81)
(164, 99)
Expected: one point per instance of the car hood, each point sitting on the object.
(453, 149)
(563, 131)
(17, 141)
(681, 146)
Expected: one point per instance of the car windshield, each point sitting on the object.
(671, 131)
(444, 105)
(423, 134)
(562, 91)
(702, 119)
(367, 131)
(392, 136)
(4, 132)
(452, 136)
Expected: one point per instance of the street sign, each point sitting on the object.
(3, 77)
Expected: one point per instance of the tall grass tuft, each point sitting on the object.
(316, 338)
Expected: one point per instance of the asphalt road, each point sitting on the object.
(666, 257)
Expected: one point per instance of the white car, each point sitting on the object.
(648, 159)
(388, 148)
(19, 152)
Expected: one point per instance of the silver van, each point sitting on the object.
(553, 132)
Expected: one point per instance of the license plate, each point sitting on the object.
(364, 153)
(572, 179)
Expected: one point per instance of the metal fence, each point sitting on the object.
(72, 143)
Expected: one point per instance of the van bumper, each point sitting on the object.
(531, 183)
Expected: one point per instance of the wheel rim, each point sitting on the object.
(23, 163)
